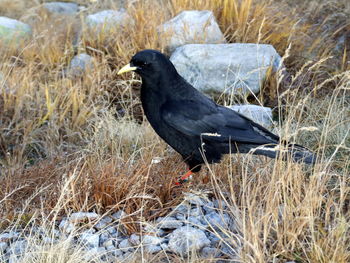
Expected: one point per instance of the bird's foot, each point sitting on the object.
(184, 178)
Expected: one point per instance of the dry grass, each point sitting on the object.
(70, 145)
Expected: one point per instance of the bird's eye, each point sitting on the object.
(144, 63)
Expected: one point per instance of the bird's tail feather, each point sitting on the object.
(296, 152)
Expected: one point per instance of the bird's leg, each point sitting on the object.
(184, 177)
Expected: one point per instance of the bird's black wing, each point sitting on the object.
(206, 119)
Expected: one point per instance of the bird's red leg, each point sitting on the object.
(184, 177)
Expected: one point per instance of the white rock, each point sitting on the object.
(152, 249)
(168, 223)
(94, 253)
(91, 240)
(62, 8)
(194, 221)
(13, 31)
(239, 68)
(190, 27)
(187, 239)
(108, 20)
(259, 114)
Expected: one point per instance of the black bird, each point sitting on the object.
(194, 125)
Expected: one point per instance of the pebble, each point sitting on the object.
(187, 239)
(190, 234)
(168, 223)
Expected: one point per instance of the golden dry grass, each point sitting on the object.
(69, 145)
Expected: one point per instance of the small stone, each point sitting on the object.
(168, 223)
(7, 237)
(107, 243)
(112, 230)
(194, 221)
(3, 247)
(187, 239)
(217, 220)
(125, 245)
(151, 240)
(119, 215)
(152, 249)
(182, 209)
(91, 240)
(194, 199)
(19, 247)
(208, 252)
(82, 217)
(66, 227)
(135, 240)
(79, 65)
(94, 253)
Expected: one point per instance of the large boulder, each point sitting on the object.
(61, 8)
(239, 68)
(259, 114)
(191, 27)
(13, 32)
(109, 20)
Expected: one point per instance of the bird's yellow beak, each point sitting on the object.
(126, 68)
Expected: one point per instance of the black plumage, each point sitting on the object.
(193, 124)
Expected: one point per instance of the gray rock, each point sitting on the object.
(190, 27)
(66, 227)
(19, 247)
(125, 246)
(152, 249)
(182, 209)
(151, 240)
(77, 68)
(217, 221)
(187, 239)
(168, 223)
(208, 252)
(82, 216)
(259, 114)
(91, 240)
(13, 31)
(135, 239)
(119, 215)
(239, 68)
(3, 247)
(109, 20)
(194, 221)
(194, 199)
(103, 223)
(94, 253)
(61, 8)
(7, 237)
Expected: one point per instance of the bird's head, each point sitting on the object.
(149, 64)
